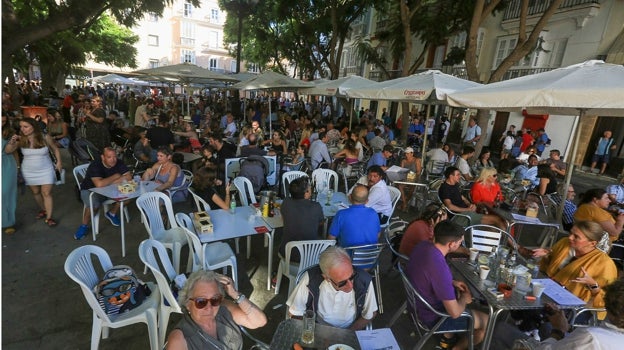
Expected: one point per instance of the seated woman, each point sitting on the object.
(204, 182)
(577, 264)
(57, 129)
(413, 164)
(421, 229)
(190, 133)
(208, 320)
(592, 208)
(276, 143)
(483, 161)
(348, 153)
(486, 189)
(165, 172)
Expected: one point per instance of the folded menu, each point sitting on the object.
(559, 294)
(377, 339)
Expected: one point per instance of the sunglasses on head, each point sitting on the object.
(344, 283)
(201, 303)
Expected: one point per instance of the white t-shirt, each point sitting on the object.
(509, 142)
(334, 306)
(463, 166)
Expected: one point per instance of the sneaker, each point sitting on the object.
(114, 219)
(82, 231)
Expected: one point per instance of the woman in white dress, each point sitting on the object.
(37, 167)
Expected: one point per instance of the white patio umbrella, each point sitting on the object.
(273, 82)
(113, 79)
(592, 87)
(185, 73)
(338, 87)
(430, 87)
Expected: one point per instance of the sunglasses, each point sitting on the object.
(344, 283)
(494, 175)
(122, 288)
(201, 303)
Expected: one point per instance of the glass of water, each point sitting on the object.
(309, 320)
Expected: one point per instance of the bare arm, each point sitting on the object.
(361, 323)
(173, 174)
(176, 340)
(245, 313)
(223, 203)
(614, 230)
(57, 153)
(542, 185)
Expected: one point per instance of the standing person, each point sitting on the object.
(444, 129)
(10, 168)
(519, 139)
(37, 167)
(96, 128)
(508, 143)
(473, 133)
(101, 172)
(431, 277)
(527, 139)
(603, 152)
(143, 112)
(413, 164)
(542, 141)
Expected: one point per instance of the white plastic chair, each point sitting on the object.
(245, 190)
(80, 172)
(149, 205)
(367, 257)
(309, 251)
(288, 177)
(324, 179)
(188, 181)
(395, 195)
(200, 203)
(79, 267)
(168, 302)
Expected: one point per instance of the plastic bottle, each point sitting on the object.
(265, 209)
(271, 208)
(493, 263)
(232, 204)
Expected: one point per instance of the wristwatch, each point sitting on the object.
(240, 298)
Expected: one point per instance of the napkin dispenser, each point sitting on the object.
(202, 223)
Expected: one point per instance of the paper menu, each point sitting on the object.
(377, 339)
(397, 169)
(558, 294)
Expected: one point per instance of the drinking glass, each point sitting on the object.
(330, 193)
(309, 320)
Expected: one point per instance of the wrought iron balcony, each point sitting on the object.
(535, 7)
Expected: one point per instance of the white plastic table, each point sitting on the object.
(111, 192)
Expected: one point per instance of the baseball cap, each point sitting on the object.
(409, 150)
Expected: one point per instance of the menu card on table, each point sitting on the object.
(559, 294)
(377, 339)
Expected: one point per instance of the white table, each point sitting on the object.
(240, 224)
(190, 157)
(111, 192)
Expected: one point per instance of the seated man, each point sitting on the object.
(358, 224)
(451, 197)
(462, 163)
(523, 172)
(302, 217)
(380, 158)
(379, 195)
(100, 173)
(431, 277)
(343, 296)
(557, 165)
(252, 148)
(319, 152)
(616, 192)
(143, 150)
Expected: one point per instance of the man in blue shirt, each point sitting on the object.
(603, 152)
(358, 224)
(380, 158)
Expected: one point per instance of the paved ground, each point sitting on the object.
(43, 308)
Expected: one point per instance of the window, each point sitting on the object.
(459, 40)
(212, 64)
(213, 39)
(152, 17)
(188, 9)
(253, 68)
(557, 51)
(214, 16)
(438, 57)
(152, 40)
(233, 66)
(153, 63)
(505, 46)
(187, 56)
(187, 34)
(480, 38)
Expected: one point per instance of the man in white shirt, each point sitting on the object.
(341, 295)
(230, 129)
(319, 152)
(462, 163)
(379, 195)
(473, 132)
(616, 192)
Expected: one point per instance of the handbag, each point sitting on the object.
(60, 174)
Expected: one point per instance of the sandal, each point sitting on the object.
(50, 222)
(42, 214)
(9, 230)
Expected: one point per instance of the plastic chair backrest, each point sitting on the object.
(484, 237)
(309, 251)
(245, 190)
(80, 171)
(395, 195)
(324, 178)
(163, 278)
(288, 177)
(79, 267)
(195, 247)
(200, 203)
(185, 221)
(149, 205)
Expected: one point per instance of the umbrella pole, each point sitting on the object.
(270, 118)
(570, 168)
(424, 147)
(351, 113)
(188, 102)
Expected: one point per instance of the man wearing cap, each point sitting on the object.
(142, 115)
(431, 277)
(380, 158)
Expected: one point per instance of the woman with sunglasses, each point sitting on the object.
(421, 229)
(486, 189)
(208, 320)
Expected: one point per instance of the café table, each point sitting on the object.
(338, 202)
(189, 157)
(289, 332)
(112, 192)
(516, 301)
(244, 222)
(516, 222)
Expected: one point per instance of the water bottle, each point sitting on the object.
(232, 204)
(493, 263)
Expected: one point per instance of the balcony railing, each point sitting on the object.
(520, 72)
(353, 70)
(187, 41)
(380, 76)
(535, 7)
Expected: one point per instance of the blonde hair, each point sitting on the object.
(485, 173)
